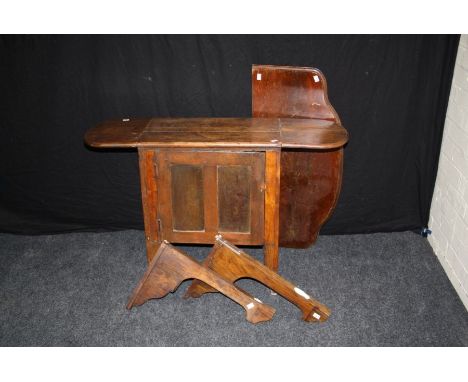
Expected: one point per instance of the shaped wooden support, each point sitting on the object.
(170, 266)
(233, 264)
(310, 179)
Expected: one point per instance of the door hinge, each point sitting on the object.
(159, 229)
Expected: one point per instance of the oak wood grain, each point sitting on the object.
(272, 188)
(311, 172)
(170, 266)
(294, 127)
(218, 133)
(149, 196)
(233, 264)
(231, 205)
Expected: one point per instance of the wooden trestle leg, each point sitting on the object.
(233, 264)
(170, 267)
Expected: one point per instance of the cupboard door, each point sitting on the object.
(203, 193)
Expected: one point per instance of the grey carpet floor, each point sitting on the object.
(71, 290)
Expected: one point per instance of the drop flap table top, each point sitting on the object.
(218, 133)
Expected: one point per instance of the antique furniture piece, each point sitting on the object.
(269, 180)
(310, 178)
(170, 267)
(233, 264)
(224, 265)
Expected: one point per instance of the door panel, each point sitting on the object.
(187, 197)
(203, 193)
(234, 198)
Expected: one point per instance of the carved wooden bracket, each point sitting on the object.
(232, 264)
(170, 266)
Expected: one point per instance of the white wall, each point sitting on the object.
(449, 210)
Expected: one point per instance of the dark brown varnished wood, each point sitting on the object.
(205, 201)
(254, 133)
(187, 197)
(296, 134)
(170, 267)
(234, 264)
(310, 179)
(149, 196)
(273, 180)
(290, 92)
(308, 194)
(272, 198)
(234, 198)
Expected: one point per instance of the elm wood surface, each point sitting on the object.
(149, 197)
(300, 136)
(310, 179)
(219, 192)
(218, 133)
(272, 189)
(170, 267)
(210, 140)
(233, 264)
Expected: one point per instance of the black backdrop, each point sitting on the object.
(391, 93)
